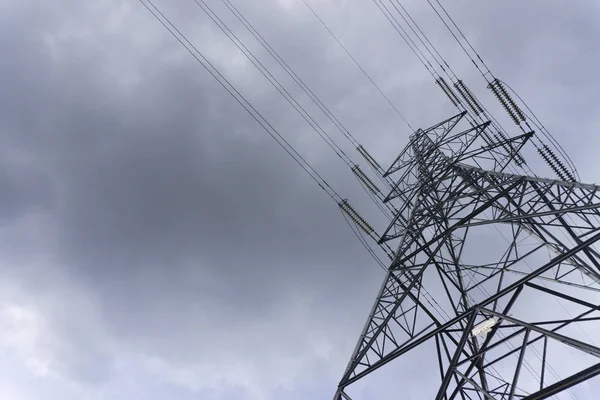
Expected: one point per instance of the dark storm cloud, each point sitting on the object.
(197, 237)
(146, 165)
(182, 219)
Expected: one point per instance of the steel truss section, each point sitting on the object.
(485, 240)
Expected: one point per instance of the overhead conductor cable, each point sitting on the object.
(255, 114)
(357, 63)
(258, 117)
(163, 20)
(499, 89)
(472, 106)
(288, 69)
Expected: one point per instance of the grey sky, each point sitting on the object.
(156, 243)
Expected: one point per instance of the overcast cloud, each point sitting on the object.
(157, 244)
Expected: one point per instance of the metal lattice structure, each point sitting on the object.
(495, 271)
(476, 227)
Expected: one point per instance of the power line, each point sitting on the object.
(476, 112)
(284, 92)
(476, 107)
(487, 70)
(358, 64)
(492, 81)
(256, 115)
(250, 27)
(411, 44)
(289, 70)
(274, 81)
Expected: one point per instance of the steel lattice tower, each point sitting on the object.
(495, 271)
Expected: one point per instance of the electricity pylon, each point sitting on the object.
(495, 272)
